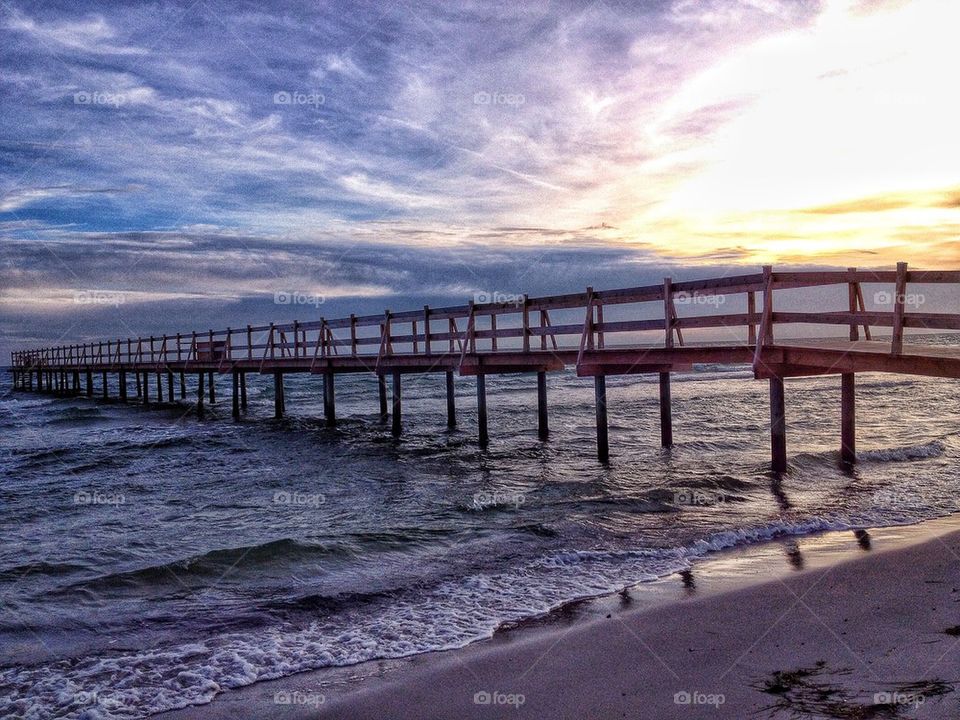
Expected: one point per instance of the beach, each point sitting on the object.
(835, 626)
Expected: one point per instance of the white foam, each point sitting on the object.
(451, 615)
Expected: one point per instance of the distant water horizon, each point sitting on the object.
(150, 561)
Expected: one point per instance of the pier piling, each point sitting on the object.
(396, 404)
(603, 442)
(543, 428)
(243, 390)
(451, 401)
(848, 418)
(183, 387)
(666, 411)
(89, 384)
(382, 392)
(170, 385)
(236, 394)
(778, 426)
(213, 388)
(122, 380)
(484, 437)
(278, 400)
(160, 388)
(329, 402)
(200, 395)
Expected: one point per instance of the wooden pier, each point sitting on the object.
(596, 331)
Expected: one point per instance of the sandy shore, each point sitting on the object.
(834, 626)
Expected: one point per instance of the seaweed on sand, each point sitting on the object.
(807, 693)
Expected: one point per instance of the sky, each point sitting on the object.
(171, 166)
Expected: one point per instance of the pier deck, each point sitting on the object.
(600, 333)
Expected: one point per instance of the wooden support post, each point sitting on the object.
(751, 311)
(382, 392)
(778, 426)
(483, 435)
(852, 302)
(170, 385)
(200, 395)
(236, 394)
(213, 389)
(278, 400)
(122, 379)
(89, 384)
(543, 427)
(451, 402)
(396, 403)
(243, 390)
(159, 387)
(898, 308)
(183, 386)
(146, 388)
(136, 375)
(329, 400)
(106, 387)
(603, 442)
(666, 411)
(848, 418)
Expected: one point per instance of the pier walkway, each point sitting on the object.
(599, 332)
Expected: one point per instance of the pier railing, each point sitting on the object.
(524, 325)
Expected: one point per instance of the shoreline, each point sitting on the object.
(782, 585)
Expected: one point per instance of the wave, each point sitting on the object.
(210, 564)
(932, 449)
(353, 628)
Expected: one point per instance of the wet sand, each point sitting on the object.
(840, 625)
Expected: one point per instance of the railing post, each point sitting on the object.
(667, 314)
(526, 324)
(751, 311)
(249, 342)
(353, 334)
(426, 329)
(898, 309)
(852, 302)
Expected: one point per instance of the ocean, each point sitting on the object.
(149, 560)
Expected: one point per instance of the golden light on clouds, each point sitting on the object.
(844, 138)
